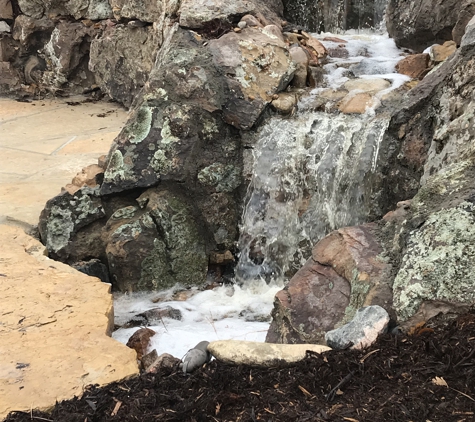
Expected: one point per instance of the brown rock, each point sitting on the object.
(315, 45)
(356, 103)
(335, 39)
(343, 275)
(439, 53)
(57, 322)
(285, 103)
(300, 76)
(6, 11)
(400, 213)
(140, 340)
(165, 360)
(251, 20)
(88, 176)
(148, 359)
(221, 258)
(414, 66)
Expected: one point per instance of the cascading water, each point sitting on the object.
(309, 173)
(335, 15)
(307, 180)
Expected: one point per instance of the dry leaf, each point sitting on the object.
(218, 408)
(439, 381)
(339, 392)
(350, 419)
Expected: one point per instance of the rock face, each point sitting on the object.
(55, 327)
(430, 242)
(344, 274)
(194, 96)
(79, 9)
(417, 24)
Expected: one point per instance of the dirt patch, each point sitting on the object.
(426, 376)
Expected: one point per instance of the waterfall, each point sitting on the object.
(307, 180)
(335, 15)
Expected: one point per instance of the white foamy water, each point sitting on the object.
(226, 312)
(308, 178)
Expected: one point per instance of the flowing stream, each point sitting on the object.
(308, 174)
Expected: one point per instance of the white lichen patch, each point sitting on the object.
(117, 168)
(167, 136)
(139, 129)
(439, 262)
(59, 227)
(224, 178)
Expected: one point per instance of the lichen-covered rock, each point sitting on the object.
(417, 24)
(67, 52)
(79, 9)
(157, 245)
(199, 13)
(439, 262)
(344, 274)
(257, 65)
(146, 11)
(122, 59)
(64, 215)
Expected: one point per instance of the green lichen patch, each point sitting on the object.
(222, 177)
(439, 262)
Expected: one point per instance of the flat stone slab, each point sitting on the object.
(55, 324)
(43, 144)
(260, 354)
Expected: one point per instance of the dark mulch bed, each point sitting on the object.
(394, 380)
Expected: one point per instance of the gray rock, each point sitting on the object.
(4, 27)
(122, 59)
(362, 331)
(417, 24)
(196, 357)
(143, 10)
(79, 9)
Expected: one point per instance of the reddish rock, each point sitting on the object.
(140, 340)
(315, 45)
(414, 66)
(344, 274)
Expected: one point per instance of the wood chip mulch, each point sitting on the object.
(427, 375)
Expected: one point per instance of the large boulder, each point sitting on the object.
(431, 246)
(344, 274)
(257, 65)
(156, 245)
(79, 9)
(417, 24)
(122, 59)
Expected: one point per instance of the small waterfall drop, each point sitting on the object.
(307, 180)
(335, 15)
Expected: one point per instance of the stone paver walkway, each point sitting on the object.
(43, 144)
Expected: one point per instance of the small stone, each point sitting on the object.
(362, 331)
(285, 104)
(414, 66)
(250, 20)
(165, 360)
(237, 29)
(356, 104)
(4, 27)
(242, 24)
(139, 341)
(275, 97)
(148, 359)
(439, 53)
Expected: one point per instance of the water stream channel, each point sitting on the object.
(307, 180)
